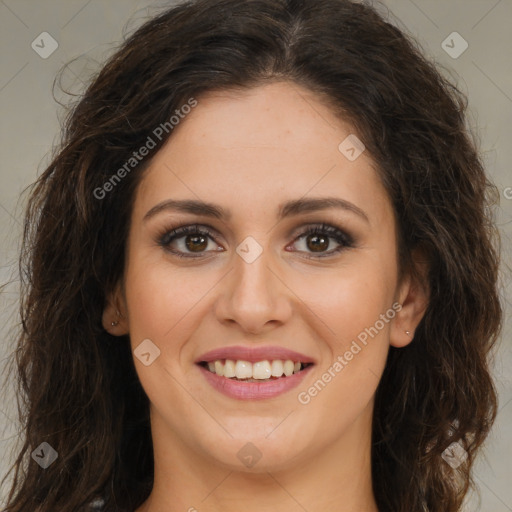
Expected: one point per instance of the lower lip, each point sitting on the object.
(254, 390)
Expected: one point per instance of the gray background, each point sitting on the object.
(89, 30)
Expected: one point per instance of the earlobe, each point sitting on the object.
(413, 297)
(113, 319)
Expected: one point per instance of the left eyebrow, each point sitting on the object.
(287, 209)
(189, 206)
(313, 204)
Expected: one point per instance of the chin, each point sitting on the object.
(257, 453)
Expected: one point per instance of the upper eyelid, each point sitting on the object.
(295, 231)
(299, 232)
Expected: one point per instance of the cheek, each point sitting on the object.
(160, 298)
(348, 300)
(354, 312)
(163, 307)
(347, 379)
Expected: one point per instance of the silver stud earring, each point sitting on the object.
(408, 333)
(116, 322)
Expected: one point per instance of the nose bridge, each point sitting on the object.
(255, 294)
(251, 279)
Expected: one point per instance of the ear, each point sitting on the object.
(413, 295)
(115, 320)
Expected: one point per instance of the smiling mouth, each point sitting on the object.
(260, 371)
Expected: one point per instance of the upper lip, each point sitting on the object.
(253, 354)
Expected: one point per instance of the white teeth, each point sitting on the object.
(219, 368)
(288, 367)
(229, 368)
(277, 368)
(243, 370)
(260, 370)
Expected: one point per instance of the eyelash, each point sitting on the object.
(168, 236)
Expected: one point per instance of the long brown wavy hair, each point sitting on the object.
(78, 389)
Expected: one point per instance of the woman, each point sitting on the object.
(260, 274)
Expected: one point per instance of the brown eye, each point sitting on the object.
(317, 243)
(196, 243)
(316, 240)
(187, 240)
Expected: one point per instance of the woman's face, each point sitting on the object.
(258, 287)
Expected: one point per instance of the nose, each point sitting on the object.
(255, 297)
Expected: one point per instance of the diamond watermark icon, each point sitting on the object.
(249, 455)
(249, 250)
(454, 455)
(351, 147)
(44, 455)
(44, 45)
(454, 45)
(146, 352)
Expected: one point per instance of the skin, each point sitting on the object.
(249, 151)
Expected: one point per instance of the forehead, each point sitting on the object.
(273, 142)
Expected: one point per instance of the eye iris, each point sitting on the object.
(196, 246)
(318, 246)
